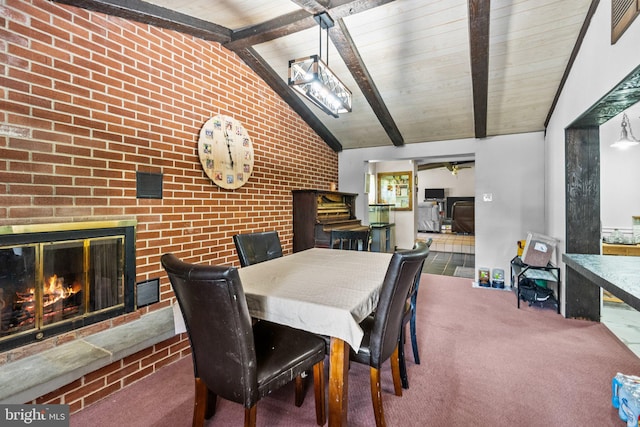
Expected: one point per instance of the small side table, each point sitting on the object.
(549, 273)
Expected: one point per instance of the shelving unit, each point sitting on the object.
(549, 274)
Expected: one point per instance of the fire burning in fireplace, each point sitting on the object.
(59, 301)
(52, 281)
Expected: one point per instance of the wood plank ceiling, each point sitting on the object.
(419, 70)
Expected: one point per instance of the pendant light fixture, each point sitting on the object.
(312, 78)
(626, 139)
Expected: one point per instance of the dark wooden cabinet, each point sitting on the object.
(317, 212)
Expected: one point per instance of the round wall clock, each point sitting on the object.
(226, 152)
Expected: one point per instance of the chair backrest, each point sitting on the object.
(217, 319)
(400, 276)
(413, 290)
(257, 247)
(353, 240)
(463, 217)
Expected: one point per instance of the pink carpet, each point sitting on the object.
(484, 363)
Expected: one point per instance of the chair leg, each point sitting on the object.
(414, 338)
(403, 363)
(395, 372)
(318, 387)
(250, 416)
(299, 390)
(376, 397)
(200, 403)
(211, 405)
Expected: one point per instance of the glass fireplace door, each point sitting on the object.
(17, 288)
(64, 277)
(46, 283)
(106, 273)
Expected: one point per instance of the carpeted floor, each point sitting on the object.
(484, 363)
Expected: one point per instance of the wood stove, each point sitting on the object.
(58, 277)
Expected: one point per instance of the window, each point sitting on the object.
(623, 12)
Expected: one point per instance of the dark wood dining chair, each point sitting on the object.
(382, 329)
(410, 317)
(253, 248)
(233, 357)
(353, 240)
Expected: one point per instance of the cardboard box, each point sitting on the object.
(538, 250)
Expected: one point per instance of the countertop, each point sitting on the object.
(619, 275)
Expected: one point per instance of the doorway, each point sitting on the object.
(584, 216)
(440, 185)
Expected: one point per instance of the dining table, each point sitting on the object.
(323, 291)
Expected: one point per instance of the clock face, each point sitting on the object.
(226, 152)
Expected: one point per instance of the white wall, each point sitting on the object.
(511, 168)
(598, 68)
(461, 185)
(619, 175)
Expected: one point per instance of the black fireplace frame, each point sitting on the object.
(26, 234)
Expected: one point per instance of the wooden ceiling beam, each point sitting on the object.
(272, 29)
(346, 48)
(157, 16)
(298, 21)
(479, 11)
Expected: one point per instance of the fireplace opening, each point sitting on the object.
(54, 279)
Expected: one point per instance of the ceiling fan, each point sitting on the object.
(453, 167)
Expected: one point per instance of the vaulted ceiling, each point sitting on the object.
(419, 70)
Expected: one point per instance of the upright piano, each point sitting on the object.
(317, 212)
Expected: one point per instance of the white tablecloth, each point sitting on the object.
(323, 291)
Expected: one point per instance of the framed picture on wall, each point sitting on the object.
(395, 188)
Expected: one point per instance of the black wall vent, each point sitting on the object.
(148, 185)
(147, 292)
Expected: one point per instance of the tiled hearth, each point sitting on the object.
(450, 242)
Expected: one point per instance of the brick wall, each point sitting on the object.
(87, 100)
